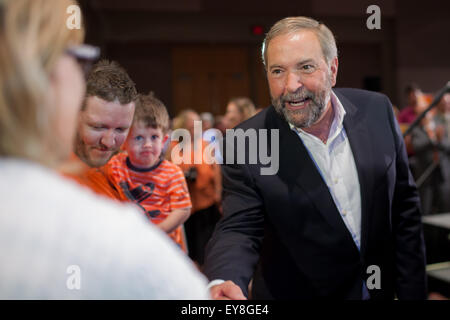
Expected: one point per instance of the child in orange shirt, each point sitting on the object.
(142, 176)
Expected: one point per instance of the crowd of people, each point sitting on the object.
(88, 178)
(428, 147)
(60, 240)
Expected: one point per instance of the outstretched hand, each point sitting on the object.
(227, 290)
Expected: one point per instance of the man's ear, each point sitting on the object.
(334, 70)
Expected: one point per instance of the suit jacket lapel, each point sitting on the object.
(297, 168)
(356, 128)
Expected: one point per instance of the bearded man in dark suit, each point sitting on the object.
(342, 208)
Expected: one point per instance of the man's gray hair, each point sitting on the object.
(294, 24)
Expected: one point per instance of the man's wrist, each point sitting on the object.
(214, 283)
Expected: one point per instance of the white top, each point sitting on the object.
(60, 241)
(335, 162)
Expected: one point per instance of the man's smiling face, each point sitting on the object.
(300, 80)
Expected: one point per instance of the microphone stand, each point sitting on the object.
(433, 104)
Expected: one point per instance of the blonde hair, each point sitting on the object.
(245, 106)
(180, 121)
(33, 35)
(294, 24)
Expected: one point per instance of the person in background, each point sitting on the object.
(204, 183)
(57, 239)
(238, 110)
(413, 108)
(156, 185)
(408, 114)
(441, 122)
(207, 120)
(103, 125)
(210, 134)
(426, 156)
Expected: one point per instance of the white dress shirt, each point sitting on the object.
(335, 162)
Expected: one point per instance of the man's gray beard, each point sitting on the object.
(306, 117)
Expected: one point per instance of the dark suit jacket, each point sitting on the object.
(285, 231)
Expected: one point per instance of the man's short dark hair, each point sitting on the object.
(109, 81)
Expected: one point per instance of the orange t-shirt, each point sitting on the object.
(204, 189)
(93, 178)
(157, 190)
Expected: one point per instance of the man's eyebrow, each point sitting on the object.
(306, 61)
(95, 123)
(275, 66)
(302, 62)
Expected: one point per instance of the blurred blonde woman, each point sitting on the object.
(204, 183)
(238, 110)
(58, 241)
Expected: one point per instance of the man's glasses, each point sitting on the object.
(86, 55)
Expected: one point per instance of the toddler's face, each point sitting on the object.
(144, 145)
